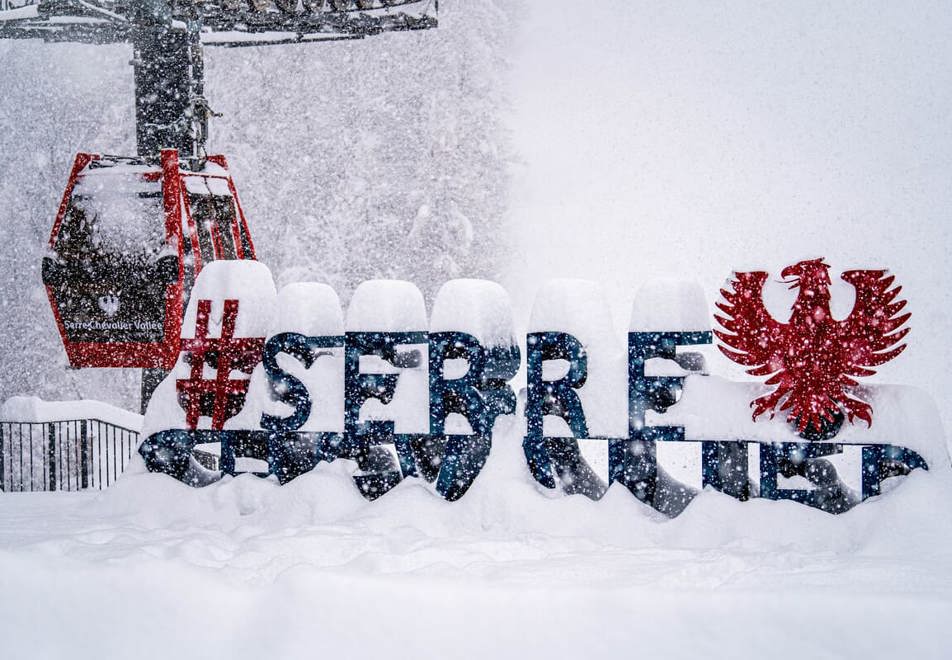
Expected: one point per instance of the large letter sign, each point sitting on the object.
(277, 383)
(472, 324)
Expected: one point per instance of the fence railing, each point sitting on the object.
(65, 455)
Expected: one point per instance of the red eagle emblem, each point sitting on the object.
(813, 359)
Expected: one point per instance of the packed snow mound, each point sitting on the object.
(308, 308)
(576, 307)
(505, 505)
(478, 307)
(35, 409)
(670, 305)
(386, 306)
(248, 282)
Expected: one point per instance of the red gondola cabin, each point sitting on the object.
(129, 239)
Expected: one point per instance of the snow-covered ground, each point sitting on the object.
(247, 569)
(653, 140)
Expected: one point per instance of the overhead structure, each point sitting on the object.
(220, 22)
(168, 36)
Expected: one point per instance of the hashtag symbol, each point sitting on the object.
(220, 397)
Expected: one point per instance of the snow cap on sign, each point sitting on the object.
(477, 307)
(670, 305)
(386, 306)
(248, 282)
(308, 308)
(577, 307)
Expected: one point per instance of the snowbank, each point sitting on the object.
(35, 409)
(713, 408)
(245, 568)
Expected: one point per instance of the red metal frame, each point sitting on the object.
(79, 164)
(161, 354)
(220, 160)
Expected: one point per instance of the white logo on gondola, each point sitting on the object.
(109, 304)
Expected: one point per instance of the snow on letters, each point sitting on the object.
(278, 383)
